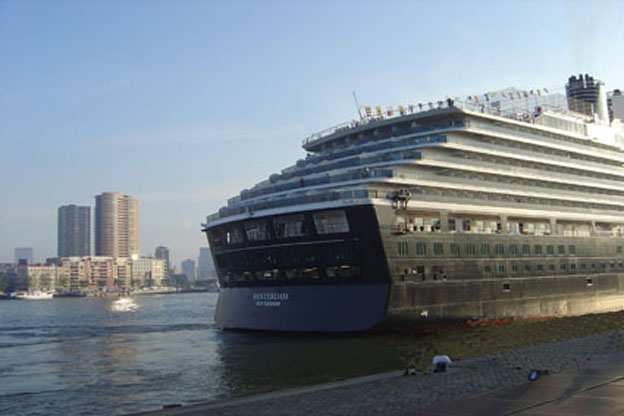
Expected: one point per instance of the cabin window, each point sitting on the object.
(310, 273)
(573, 266)
(290, 226)
(513, 249)
(526, 249)
(256, 230)
(330, 222)
(500, 249)
(514, 268)
(485, 249)
(451, 224)
(537, 249)
(551, 267)
(438, 249)
(403, 249)
(583, 266)
(572, 250)
(540, 267)
(550, 249)
(421, 248)
(619, 249)
(343, 271)
(268, 274)
(466, 225)
(561, 249)
(455, 250)
(233, 235)
(562, 267)
(470, 249)
(506, 287)
(527, 268)
(500, 269)
(487, 269)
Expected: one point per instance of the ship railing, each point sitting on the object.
(296, 200)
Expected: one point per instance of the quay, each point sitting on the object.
(578, 376)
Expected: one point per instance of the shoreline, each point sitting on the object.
(394, 393)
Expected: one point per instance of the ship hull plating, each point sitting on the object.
(303, 308)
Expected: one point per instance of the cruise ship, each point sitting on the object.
(502, 205)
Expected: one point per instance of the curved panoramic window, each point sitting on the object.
(233, 235)
(256, 230)
(329, 222)
(290, 226)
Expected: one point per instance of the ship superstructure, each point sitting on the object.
(457, 210)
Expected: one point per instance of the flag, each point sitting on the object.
(378, 111)
(389, 110)
(401, 110)
(368, 110)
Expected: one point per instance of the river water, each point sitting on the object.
(111, 356)
(90, 355)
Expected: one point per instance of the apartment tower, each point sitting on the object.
(74, 231)
(116, 225)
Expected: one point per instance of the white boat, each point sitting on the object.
(35, 295)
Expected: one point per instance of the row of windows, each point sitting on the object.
(344, 273)
(285, 226)
(296, 255)
(438, 273)
(484, 249)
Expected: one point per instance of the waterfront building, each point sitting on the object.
(205, 266)
(162, 253)
(72, 274)
(148, 271)
(100, 271)
(116, 225)
(24, 253)
(74, 231)
(38, 277)
(188, 268)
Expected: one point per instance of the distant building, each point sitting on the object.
(147, 271)
(205, 267)
(162, 253)
(616, 105)
(74, 231)
(116, 225)
(24, 253)
(188, 268)
(38, 277)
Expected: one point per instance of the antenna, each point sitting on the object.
(358, 106)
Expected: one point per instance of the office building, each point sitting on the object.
(162, 253)
(25, 254)
(116, 225)
(188, 268)
(205, 267)
(74, 231)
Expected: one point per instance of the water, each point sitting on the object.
(87, 355)
(105, 356)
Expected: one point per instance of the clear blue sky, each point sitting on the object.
(184, 103)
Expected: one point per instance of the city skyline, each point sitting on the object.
(184, 105)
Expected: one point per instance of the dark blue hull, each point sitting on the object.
(323, 308)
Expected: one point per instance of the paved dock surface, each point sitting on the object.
(585, 376)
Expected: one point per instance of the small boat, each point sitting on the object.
(35, 295)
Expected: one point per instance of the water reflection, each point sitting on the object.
(124, 305)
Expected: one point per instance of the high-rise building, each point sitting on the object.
(24, 253)
(616, 105)
(116, 225)
(587, 95)
(162, 253)
(188, 268)
(74, 231)
(205, 267)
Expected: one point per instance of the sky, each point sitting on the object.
(184, 103)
